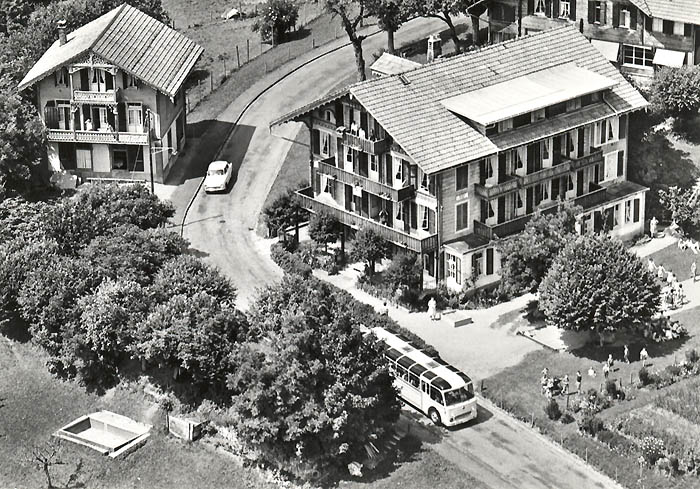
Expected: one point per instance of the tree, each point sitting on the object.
(595, 284)
(195, 334)
(98, 209)
(324, 228)
(131, 253)
(351, 14)
(44, 457)
(188, 275)
(390, 16)
(440, 9)
(369, 247)
(278, 16)
(684, 205)
(527, 256)
(20, 219)
(22, 143)
(404, 271)
(283, 212)
(316, 392)
(108, 324)
(676, 91)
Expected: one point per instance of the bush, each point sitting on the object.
(567, 418)
(676, 91)
(652, 450)
(289, 262)
(403, 271)
(278, 16)
(645, 377)
(552, 410)
(590, 424)
(692, 355)
(611, 388)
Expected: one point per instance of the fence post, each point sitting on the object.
(238, 57)
(586, 454)
(211, 82)
(313, 43)
(532, 419)
(247, 44)
(265, 66)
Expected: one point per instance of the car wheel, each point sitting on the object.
(434, 417)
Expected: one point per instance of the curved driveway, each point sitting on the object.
(223, 226)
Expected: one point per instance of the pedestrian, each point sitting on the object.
(432, 309)
(627, 354)
(661, 272)
(545, 372)
(579, 378)
(643, 356)
(384, 310)
(670, 277)
(652, 226)
(693, 270)
(606, 370)
(591, 372)
(549, 388)
(565, 385)
(610, 360)
(543, 382)
(651, 266)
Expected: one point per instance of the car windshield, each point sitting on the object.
(215, 172)
(456, 396)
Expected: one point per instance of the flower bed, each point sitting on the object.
(684, 402)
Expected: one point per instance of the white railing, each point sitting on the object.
(109, 97)
(99, 137)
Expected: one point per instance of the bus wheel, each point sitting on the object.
(434, 417)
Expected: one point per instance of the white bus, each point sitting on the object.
(433, 386)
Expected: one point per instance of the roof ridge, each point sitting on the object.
(109, 24)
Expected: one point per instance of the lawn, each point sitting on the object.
(676, 260)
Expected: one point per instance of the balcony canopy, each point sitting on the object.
(527, 93)
(666, 57)
(610, 50)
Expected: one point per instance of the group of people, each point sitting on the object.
(357, 130)
(689, 244)
(672, 291)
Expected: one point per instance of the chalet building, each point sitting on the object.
(637, 35)
(447, 158)
(112, 98)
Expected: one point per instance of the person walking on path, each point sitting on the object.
(651, 266)
(693, 271)
(653, 224)
(565, 385)
(626, 354)
(579, 377)
(432, 309)
(644, 356)
(661, 272)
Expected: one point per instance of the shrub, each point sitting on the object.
(289, 262)
(674, 370)
(403, 271)
(652, 450)
(552, 410)
(566, 418)
(590, 424)
(278, 16)
(676, 91)
(692, 355)
(645, 377)
(611, 388)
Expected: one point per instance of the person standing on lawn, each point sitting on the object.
(610, 361)
(565, 385)
(626, 354)
(606, 370)
(653, 224)
(432, 309)
(644, 356)
(651, 266)
(661, 272)
(693, 271)
(579, 377)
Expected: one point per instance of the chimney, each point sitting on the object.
(62, 32)
(434, 48)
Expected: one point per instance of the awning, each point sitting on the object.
(608, 49)
(666, 57)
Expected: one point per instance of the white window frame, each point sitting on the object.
(610, 171)
(62, 77)
(134, 109)
(454, 268)
(399, 211)
(131, 81)
(679, 28)
(616, 216)
(565, 9)
(79, 163)
(657, 24)
(637, 56)
(329, 116)
(373, 163)
(465, 205)
(425, 182)
(349, 158)
(540, 7)
(325, 143)
(625, 18)
(399, 169)
(628, 211)
(425, 220)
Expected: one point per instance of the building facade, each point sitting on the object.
(111, 96)
(447, 159)
(639, 36)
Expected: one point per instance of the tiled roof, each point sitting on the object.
(388, 64)
(643, 6)
(687, 11)
(408, 106)
(128, 38)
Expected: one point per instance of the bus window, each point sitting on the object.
(435, 395)
(425, 387)
(457, 396)
(415, 381)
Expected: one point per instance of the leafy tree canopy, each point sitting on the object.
(324, 228)
(188, 275)
(444, 10)
(676, 91)
(596, 284)
(369, 247)
(283, 212)
(20, 219)
(277, 17)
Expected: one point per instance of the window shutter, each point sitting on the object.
(616, 15)
(548, 8)
(623, 126)
(668, 27)
(636, 210)
(555, 9)
(572, 9)
(84, 81)
(633, 18)
(688, 30)
(603, 13)
(620, 163)
(591, 11)
(316, 141)
(363, 123)
(648, 23)
(109, 81)
(121, 117)
(489, 261)
(530, 7)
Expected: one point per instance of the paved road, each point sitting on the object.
(497, 450)
(222, 226)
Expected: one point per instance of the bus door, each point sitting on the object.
(411, 390)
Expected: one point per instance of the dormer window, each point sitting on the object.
(61, 77)
(330, 116)
(130, 81)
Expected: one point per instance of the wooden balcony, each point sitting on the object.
(97, 137)
(90, 97)
(365, 145)
(413, 243)
(328, 167)
(510, 185)
(509, 228)
(595, 197)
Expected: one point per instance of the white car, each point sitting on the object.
(218, 176)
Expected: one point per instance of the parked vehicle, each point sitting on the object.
(218, 176)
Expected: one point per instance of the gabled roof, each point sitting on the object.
(388, 64)
(409, 105)
(130, 39)
(687, 11)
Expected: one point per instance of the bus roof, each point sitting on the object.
(435, 370)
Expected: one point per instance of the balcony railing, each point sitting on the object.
(90, 97)
(365, 145)
(371, 186)
(414, 243)
(499, 189)
(508, 228)
(99, 137)
(596, 197)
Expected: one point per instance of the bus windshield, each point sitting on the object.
(456, 396)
